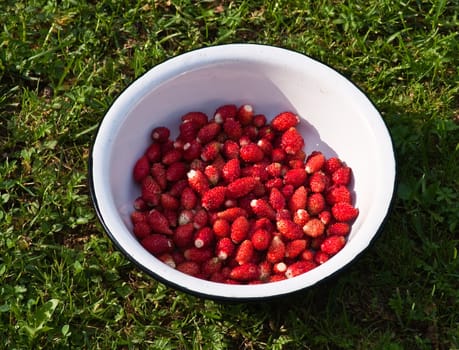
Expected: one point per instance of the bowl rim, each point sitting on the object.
(180, 287)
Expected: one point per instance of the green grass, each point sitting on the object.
(62, 282)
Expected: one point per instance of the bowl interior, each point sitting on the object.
(337, 119)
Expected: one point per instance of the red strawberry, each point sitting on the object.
(295, 177)
(287, 191)
(150, 191)
(314, 228)
(212, 173)
(261, 208)
(203, 237)
(195, 117)
(251, 153)
(301, 217)
(241, 187)
(137, 216)
(185, 217)
(159, 222)
(307, 255)
(177, 188)
(315, 203)
(192, 150)
(342, 176)
(289, 229)
(245, 114)
(183, 235)
(172, 156)
(283, 214)
(224, 248)
(172, 217)
(265, 145)
(232, 129)
(208, 133)
(339, 229)
(276, 199)
(259, 120)
(197, 254)
(246, 272)
(158, 172)
(168, 259)
(298, 199)
(141, 169)
(188, 198)
(284, 121)
(230, 149)
(240, 229)
(200, 218)
(157, 244)
(188, 131)
(231, 170)
(169, 202)
(191, 268)
(321, 257)
(160, 134)
(343, 211)
(318, 181)
(261, 239)
(338, 193)
(211, 151)
(276, 250)
(299, 268)
(213, 198)
(265, 224)
(315, 162)
(142, 229)
(198, 181)
(244, 252)
(296, 164)
(211, 266)
(292, 141)
(231, 214)
(332, 164)
(221, 228)
(274, 169)
(225, 112)
(139, 204)
(153, 152)
(333, 244)
(265, 268)
(176, 171)
(325, 216)
(257, 171)
(274, 182)
(294, 248)
(278, 155)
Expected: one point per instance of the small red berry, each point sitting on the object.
(157, 244)
(240, 229)
(251, 153)
(342, 176)
(289, 229)
(160, 134)
(225, 112)
(246, 272)
(292, 141)
(343, 211)
(299, 268)
(285, 121)
(315, 162)
(261, 239)
(314, 228)
(208, 133)
(141, 169)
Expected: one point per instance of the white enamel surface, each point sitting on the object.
(338, 119)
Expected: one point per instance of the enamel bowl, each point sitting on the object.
(337, 119)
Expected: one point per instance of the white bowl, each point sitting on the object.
(337, 119)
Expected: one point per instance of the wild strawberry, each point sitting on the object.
(296, 164)
(208, 133)
(314, 228)
(318, 181)
(295, 177)
(210, 151)
(141, 169)
(291, 141)
(274, 169)
(299, 268)
(241, 187)
(284, 121)
(153, 152)
(278, 155)
(244, 252)
(342, 176)
(159, 222)
(289, 229)
(343, 211)
(198, 181)
(157, 244)
(245, 114)
(203, 237)
(259, 120)
(139, 204)
(231, 214)
(264, 224)
(298, 199)
(301, 217)
(232, 129)
(172, 217)
(158, 172)
(177, 188)
(225, 112)
(274, 182)
(176, 171)
(167, 259)
(240, 229)
(325, 216)
(339, 229)
(251, 153)
(213, 198)
(231, 170)
(315, 203)
(221, 228)
(276, 250)
(211, 266)
(294, 248)
(191, 268)
(183, 235)
(142, 229)
(338, 193)
(307, 255)
(315, 162)
(277, 277)
(185, 216)
(188, 198)
(246, 272)
(166, 147)
(224, 248)
(188, 131)
(332, 164)
(265, 145)
(192, 150)
(137, 216)
(160, 134)
(261, 208)
(150, 191)
(287, 191)
(171, 156)
(195, 117)
(265, 268)
(276, 199)
(257, 171)
(316, 242)
(283, 214)
(169, 202)
(198, 254)
(321, 257)
(212, 173)
(230, 149)
(200, 218)
(261, 239)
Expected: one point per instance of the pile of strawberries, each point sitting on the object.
(235, 199)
